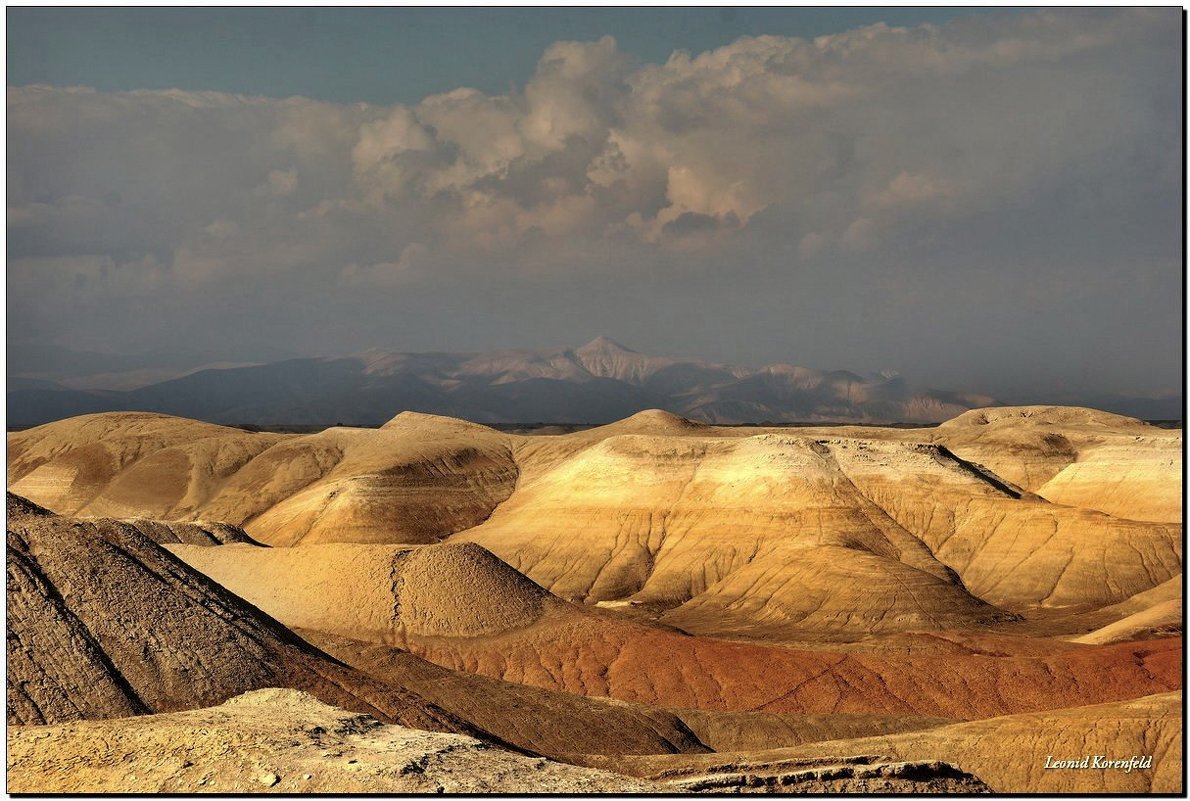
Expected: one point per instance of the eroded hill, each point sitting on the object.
(890, 609)
(717, 530)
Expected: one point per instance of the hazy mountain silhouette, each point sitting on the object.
(596, 383)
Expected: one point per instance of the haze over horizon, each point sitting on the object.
(985, 202)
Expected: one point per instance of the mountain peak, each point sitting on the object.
(602, 343)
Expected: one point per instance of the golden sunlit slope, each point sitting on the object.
(1077, 457)
(128, 464)
(765, 534)
(458, 606)
(279, 741)
(1008, 753)
(762, 534)
(723, 531)
(417, 479)
(381, 593)
(103, 622)
(1160, 618)
(1154, 613)
(1022, 552)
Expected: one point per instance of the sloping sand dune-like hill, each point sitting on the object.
(127, 464)
(102, 622)
(761, 533)
(381, 593)
(1154, 613)
(1019, 552)
(85, 643)
(280, 741)
(1008, 753)
(766, 533)
(417, 479)
(461, 608)
(1160, 618)
(1077, 457)
(410, 496)
(724, 531)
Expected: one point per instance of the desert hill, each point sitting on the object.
(366, 485)
(458, 606)
(719, 530)
(553, 724)
(889, 609)
(84, 644)
(1152, 613)
(1076, 457)
(279, 741)
(598, 382)
(282, 741)
(381, 593)
(1008, 753)
(163, 463)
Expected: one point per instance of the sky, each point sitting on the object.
(374, 55)
(986, 201)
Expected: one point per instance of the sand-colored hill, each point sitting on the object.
(1154, 613)
(459, 607)
(1162, 618)
(280, 741)
(842, 609)
(381, 593)
(759, 534)
(128, 464)
(752, 532)
(1077, 457)
(103, 622)
(721, 531)
(420, 478)
(1022, 552)
(1008, 753)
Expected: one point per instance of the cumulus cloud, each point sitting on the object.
(880, 151)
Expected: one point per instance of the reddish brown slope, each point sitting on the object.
(460, 607)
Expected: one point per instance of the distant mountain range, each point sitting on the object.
(599, 382)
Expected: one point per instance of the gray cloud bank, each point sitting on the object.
(992, 205)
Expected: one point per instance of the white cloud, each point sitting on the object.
(876, 123)
(892, 147)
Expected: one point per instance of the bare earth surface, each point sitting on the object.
(280, 741)
(652, 605)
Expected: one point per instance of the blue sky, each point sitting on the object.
(375, 55)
